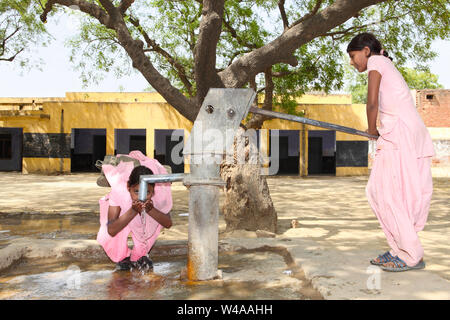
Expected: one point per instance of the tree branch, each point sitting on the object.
(268, 97)
(124, 5)
(281, 74)
(109, 6)
(11, 35)
(205, 48)
(257, 120)
(234, 34)
(261, 90)
(308, 15)
(281, 50)
(3, 45)
(155, 47)
(347, 31)
(13, 57)
(135, 50)
(40, 3)
(252, 84)
(86, 7)
(235, 54)
(283, 14)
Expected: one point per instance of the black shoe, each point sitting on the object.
(144, 264)
(124, 265)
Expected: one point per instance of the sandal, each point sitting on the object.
(144, 264)
(383, 258)
(124, 265)
(401, 265)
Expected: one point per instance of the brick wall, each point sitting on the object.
(433, 106)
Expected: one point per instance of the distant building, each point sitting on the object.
(433, 106)
(69, 134)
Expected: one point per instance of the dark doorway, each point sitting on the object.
(169, 148)
(127, 140)
(314, 155)
(322, 152)
(138, 143)
(5, 146)
(288, 151)
(11, 141)
(99, 150)
(87, 146)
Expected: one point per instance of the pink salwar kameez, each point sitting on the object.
(143, 228)
(400, 184)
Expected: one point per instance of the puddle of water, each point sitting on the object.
(87, 279)
(82, 279)
(47, 226)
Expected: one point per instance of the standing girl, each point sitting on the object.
(400, 184)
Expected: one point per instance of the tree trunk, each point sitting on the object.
(248, 204)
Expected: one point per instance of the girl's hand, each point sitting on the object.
(138, 206)
(148, 205)
(373, 133)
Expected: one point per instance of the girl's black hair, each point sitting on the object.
(366, 40)
(136, 173)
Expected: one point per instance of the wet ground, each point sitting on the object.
(326, 255)
(50, 278)
(47, 226)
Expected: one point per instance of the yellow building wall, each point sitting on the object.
(121, 97)
(351, 171)
(319, 98)
(62, 115)
(352, 116)
(142, 110)
(348, 115)
(45, 165)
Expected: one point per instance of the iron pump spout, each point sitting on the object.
(157, 178)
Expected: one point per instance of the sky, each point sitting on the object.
(58, 77)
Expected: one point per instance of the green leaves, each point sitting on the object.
(357, 85)
(415, 79)
(170, 30)
(20, 30)
(420, 79)
(95, 51)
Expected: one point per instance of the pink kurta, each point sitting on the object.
(143, 234)
(400, 184)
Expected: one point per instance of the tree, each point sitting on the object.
(357, 86)
(279, 48)
(20, 30)
(415, 79)
(419, 80)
